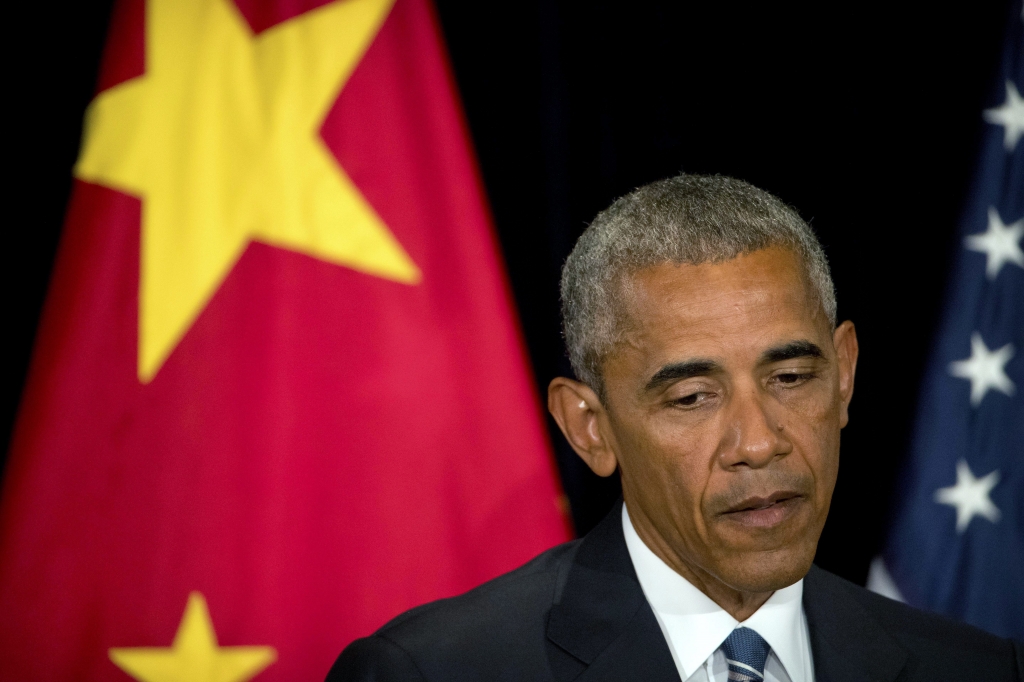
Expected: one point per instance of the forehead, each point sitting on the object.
(713, 310)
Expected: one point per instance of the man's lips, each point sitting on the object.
(764, 512)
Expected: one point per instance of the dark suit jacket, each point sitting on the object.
(577, 612)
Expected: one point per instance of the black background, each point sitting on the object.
(865, 116)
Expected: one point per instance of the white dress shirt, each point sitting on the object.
(694, 626)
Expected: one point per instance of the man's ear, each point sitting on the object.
(845, 340)
(577, 409)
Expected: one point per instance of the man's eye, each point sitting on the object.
(792, 378)
(691, 400)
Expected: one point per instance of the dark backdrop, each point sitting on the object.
(865, 116)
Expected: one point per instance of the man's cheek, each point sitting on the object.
(819, 408)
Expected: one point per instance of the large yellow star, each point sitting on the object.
(194, 656)
(220, 139)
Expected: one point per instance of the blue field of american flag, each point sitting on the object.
(956, 543)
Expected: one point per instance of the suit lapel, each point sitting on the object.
(847, 643)
(602, 618)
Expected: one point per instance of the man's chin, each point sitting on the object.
(766, 571)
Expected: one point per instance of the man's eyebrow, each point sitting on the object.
(791, 351)
(681, 370)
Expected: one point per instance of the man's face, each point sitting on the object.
(723, 408)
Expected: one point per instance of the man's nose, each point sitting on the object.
(754, 435)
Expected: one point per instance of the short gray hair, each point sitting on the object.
(686, 219)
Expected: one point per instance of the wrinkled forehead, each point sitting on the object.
(749, 300)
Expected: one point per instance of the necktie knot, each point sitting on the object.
(746, 651)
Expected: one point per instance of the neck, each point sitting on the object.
(740, 604)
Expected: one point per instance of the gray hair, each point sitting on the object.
(686, 219)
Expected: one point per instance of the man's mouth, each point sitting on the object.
(764, 512)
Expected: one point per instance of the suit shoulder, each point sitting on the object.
(469, 632)
(920, 631)
(371, 659)
(530, 585)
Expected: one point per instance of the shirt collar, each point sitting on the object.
(696, 626)
(780, 621)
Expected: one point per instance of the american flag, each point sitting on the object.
(956, 544)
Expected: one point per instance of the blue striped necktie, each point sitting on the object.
(746, 651)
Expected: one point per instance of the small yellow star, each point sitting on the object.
(220, 139)
(194, 656)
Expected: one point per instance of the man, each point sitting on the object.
(700, 319)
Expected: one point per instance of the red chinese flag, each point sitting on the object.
(278, 395)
